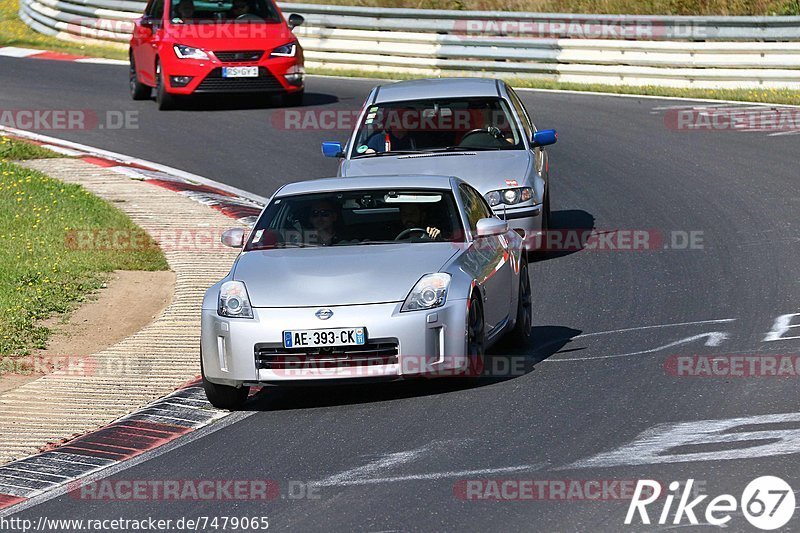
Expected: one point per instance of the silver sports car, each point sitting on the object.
(384, 277)
(473, 128)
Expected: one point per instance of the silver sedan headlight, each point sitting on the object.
(510, 196)
(234, 301)
(430, 292)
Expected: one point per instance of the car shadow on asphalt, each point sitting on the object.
(568, 228)
(502, 363)
(235, 102)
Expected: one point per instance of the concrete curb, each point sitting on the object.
(52, 412)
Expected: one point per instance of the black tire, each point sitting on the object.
(164, 100)
(521, 334)
(139, 91)
(476, 339)
(292, 99)
(546, 211)
(223, 396)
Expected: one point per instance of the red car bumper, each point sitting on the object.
(278, 75)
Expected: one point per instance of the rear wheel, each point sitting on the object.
(521, 334)
(164, 100)
(223, 396)
(139, 91)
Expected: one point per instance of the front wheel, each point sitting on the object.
(521, 334)
(476, 339)
(139, 91)
(223, 396)
(164, 100)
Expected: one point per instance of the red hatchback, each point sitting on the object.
(183, 47)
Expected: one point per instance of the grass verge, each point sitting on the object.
(14, 32)
(42, 272)
(13, 149)
(772, 96)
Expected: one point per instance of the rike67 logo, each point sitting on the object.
(767, 503)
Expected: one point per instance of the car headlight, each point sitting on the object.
(287, 50)
(233, 301)
(187, 52)
(429, 292)
(509, 196)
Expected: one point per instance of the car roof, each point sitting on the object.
(400, 181)
(437, 88)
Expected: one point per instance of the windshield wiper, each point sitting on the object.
(463, 149)
(390, 152)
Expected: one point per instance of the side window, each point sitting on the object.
(475, 206)
(523, 114)
(156, 10)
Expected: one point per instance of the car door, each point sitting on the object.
(146, 34)
(489, 260)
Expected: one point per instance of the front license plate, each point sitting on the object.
(313, 338)
(239, 72)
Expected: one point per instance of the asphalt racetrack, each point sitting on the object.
(599, 395)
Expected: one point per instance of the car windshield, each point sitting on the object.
(450, 124)
(357, 218)
(200, 11)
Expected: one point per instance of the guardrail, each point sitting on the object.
(716, 52)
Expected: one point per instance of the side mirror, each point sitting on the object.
(332, 149)
(146, 22)
(233, 237)
(545, 137)
(488, 227)
(295, 20)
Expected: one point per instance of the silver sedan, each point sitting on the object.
(362, 278)
(474, 128)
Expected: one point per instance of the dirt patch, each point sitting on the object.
(130, 301)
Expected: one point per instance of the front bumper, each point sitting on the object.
(206, 75)
(427, 344)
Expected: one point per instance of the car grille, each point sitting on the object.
(241, 56)
(275, 356)
(214, 82)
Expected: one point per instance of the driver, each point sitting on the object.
(324, 218)
(239, 8)
(412, 216)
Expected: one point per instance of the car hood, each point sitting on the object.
(486, 171)
(346, 275)
(229, 37)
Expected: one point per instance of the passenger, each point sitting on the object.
(186, 10)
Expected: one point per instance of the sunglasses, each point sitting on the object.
(321, 213)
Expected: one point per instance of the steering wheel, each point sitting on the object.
(250, 16)
(489, 130)
(409, 231)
